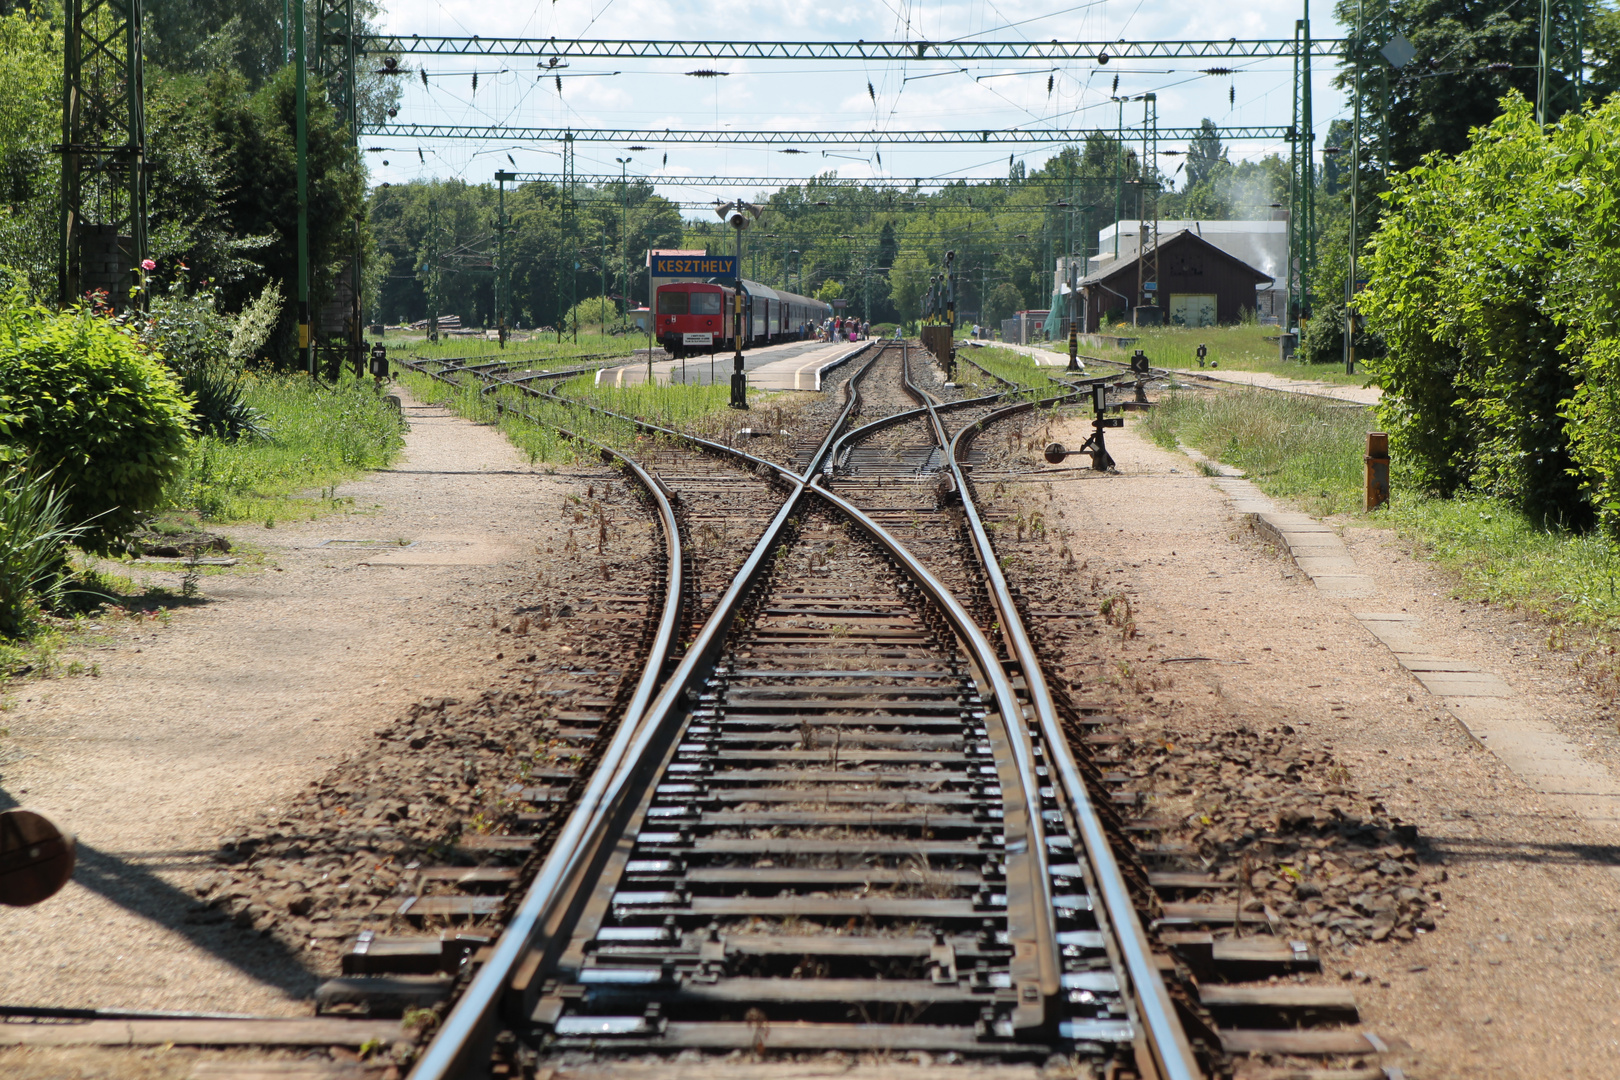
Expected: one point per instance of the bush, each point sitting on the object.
(1492, 282)
(94, 410)
(207, 349)
(33, 548)
(593, 311)
(1324, 337)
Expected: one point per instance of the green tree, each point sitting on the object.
(30, 122)
(1204, 152)
(1493, 277)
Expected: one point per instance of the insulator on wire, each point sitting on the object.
(871, 93)
(1051, 80)
(422, 72)
(475, 82)
(559, 83)
(1116, 84)
(1231, 95)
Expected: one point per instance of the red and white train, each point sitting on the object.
(696, 317)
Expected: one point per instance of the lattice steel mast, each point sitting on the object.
(103, 207)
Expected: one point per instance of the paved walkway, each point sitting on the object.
(793, 365)
(198, 722)
(1497, 717)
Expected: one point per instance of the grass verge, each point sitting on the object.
(700, 410)
(1008, 363)
(318, 436)
(1244, 347)
(539, 347)
(1310, 452)
(1304, 449)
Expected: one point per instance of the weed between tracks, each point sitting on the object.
(701, 410)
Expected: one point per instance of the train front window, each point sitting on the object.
(672, 303)
(705, 303)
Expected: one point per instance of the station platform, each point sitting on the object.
(792, 365)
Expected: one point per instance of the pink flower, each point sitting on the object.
(148, 264)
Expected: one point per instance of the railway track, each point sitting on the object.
(821, 808)
(848, 819)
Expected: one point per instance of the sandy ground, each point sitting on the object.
(193, 727)
(1521, 977)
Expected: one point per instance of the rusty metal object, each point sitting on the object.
(1377, 459)
(36, 858)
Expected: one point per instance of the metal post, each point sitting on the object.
(739, 381)
(433, 268)
(103, 192)
(1119, 175)
(570, 208)
(1355, 206)
(502, 284)
(624, 239)
(1542, 49)
(1150, 187)
(1307, 137)
(301, 141)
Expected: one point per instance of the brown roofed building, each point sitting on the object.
(1199, 285)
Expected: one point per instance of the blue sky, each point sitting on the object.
(829, 95)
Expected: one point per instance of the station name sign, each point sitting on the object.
(721, 266)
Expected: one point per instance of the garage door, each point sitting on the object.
(1192, 309)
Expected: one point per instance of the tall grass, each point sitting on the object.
(539, 346)
(1243, 347)
(1294, 447)
(1011, 365)
(316, 436)
(702, 410)
(33, 549)
(1501, 556)
(1310, 452)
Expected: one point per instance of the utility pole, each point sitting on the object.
(570, 212)
(301, 141)
(624, 239)
(1355, 207)
(502, 283)
(432, 268)
(1119, 171)
(1302, 184)
(1542, 49)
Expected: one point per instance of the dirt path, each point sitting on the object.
(194, 727)
(1520, 976)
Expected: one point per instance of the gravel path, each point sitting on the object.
(228, 710)
(1518, 976)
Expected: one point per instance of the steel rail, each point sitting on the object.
(1096, 51)
(1165, 1037)
(973, 639)
(468, 1030)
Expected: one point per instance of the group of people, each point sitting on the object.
(842, 329)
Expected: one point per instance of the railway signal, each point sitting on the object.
(739, 215)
